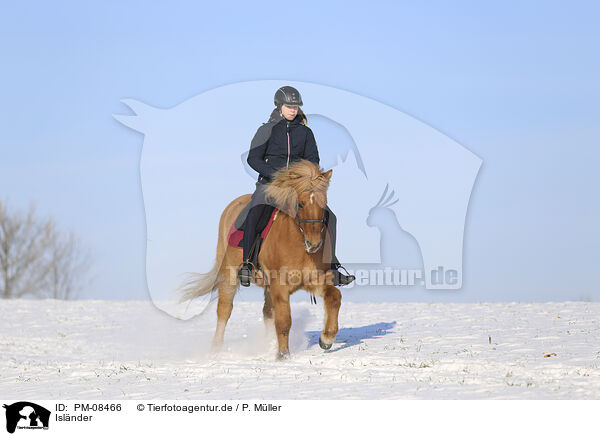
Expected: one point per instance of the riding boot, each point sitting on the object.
(245, 272)
(340, 279)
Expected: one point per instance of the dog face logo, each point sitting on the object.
(26, 415)
(399, 186)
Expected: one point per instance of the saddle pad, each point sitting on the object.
(234, 238)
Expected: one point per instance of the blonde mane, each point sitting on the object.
(288, 183)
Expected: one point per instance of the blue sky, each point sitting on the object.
(515, 83)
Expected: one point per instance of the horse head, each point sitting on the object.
(300, 191)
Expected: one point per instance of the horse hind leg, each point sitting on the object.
(227, 289)
(268, 308)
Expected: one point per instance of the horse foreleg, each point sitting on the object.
(332, 299)
(283, 319)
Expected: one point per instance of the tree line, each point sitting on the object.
(37, 259)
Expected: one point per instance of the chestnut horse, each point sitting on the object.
(293, 256)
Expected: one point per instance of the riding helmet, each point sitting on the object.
(287, 95)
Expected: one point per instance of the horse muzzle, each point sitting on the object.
(311, 249)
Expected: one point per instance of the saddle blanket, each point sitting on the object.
(234, 238)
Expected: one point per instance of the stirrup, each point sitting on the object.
(340, 279)
(245, 273)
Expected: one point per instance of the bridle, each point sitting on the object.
(322, 221)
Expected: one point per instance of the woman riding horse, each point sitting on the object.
(284, 139)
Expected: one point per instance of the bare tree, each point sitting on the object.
(36, 259)
(68, 264)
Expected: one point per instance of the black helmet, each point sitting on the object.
(287, 95)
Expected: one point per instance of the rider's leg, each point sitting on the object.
(339, 278)
(250, 234)
(331, 227)
(250, 231)
(258, 206)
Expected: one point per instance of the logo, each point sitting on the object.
(26, 415)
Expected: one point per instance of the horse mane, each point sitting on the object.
(287, 184)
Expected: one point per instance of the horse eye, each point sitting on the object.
(300, 205)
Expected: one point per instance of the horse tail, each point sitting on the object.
(199, 284)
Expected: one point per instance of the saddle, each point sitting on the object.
(236, 232)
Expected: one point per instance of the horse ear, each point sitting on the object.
(328, 174)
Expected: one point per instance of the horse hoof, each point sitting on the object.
(283, 355)
(324, 345)
(216, 347)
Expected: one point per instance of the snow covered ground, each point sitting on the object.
(130, 350)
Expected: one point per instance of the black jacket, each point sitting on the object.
(278, 143)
